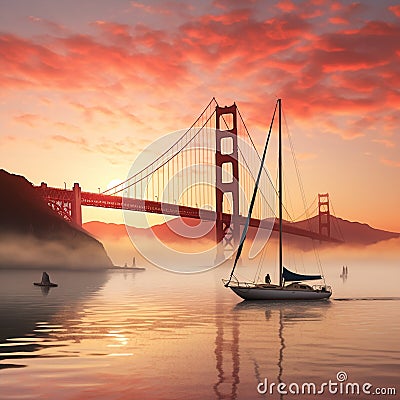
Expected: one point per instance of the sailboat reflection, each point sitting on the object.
(344, 273)
(225, 387)
(229, 329)
(45, 290)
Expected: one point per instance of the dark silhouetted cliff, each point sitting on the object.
(33, 235)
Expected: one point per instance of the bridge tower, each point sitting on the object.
(67, 203)
(76, 208)
(226, 164)
(324, 216)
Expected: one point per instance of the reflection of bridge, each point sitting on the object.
(208, 173)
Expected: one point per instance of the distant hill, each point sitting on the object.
(32, 234)
(347, 231)
(350, 232)
(176, 233)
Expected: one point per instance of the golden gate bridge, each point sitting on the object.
(207, 173)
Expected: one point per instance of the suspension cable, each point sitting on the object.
(161, 165)
(319, 264)
(337, 222)
(165, 152)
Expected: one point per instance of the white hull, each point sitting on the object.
(279, 293)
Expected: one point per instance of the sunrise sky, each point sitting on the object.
(85, 86)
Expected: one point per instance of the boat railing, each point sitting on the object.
(236, 282)
(322, 288)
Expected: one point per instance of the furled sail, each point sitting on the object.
(290, 276)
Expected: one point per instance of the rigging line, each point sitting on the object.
(313, 207)
(295, 163)
(165, 152)
(337, 222)
(288, 198)
(310, 211)
(302, 192)
(251, 140)
(272, 185)
(258, 155)
(260, 263)
(248, 167)
(246, 227)
(265, 170)
(269, 178)
(262, 194)
(162, 165)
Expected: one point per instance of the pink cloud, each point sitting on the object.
(232, 4)
(112, 148)
(395, 10)
(151, 9)
(49, 25)
(82, 142)
(90, 111)
(30, 120)
(229, 18)
(233, 52)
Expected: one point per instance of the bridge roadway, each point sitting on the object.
(149, 206)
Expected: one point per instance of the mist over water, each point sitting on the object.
(161, 335)
(24, 251)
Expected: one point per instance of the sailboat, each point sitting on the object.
(296, 289)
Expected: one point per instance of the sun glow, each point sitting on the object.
(113, 183)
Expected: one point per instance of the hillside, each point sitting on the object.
(33, 235)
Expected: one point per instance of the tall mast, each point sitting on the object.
(280, 190)
(253, 199)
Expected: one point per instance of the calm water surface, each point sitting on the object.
(158, 335)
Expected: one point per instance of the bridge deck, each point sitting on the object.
(148, 206)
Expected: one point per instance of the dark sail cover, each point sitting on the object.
(290, 276)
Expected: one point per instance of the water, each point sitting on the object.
(158, 335)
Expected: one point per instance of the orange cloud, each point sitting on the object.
(391, 163)
(286, 6)
(338, 21)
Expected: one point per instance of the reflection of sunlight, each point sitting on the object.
(120, 354)
(118, 337)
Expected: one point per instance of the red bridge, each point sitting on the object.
(68, 204)
(208, 174)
